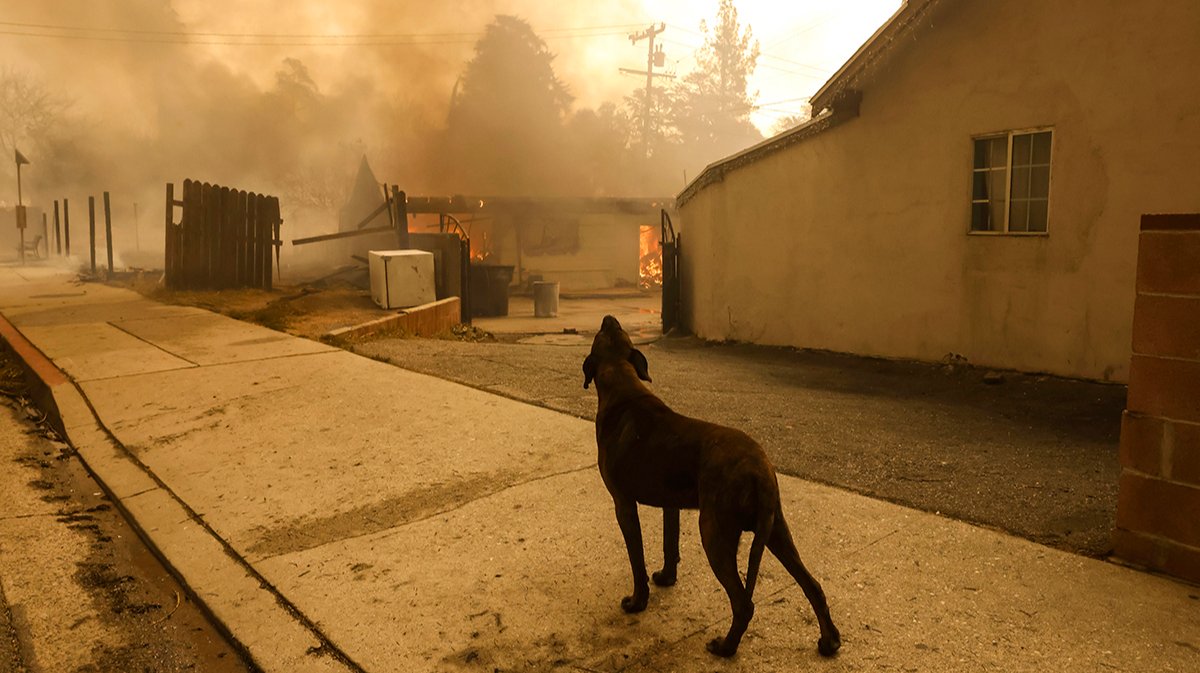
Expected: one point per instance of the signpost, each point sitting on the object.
(20, 159)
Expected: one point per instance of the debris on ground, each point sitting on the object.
(471, 333)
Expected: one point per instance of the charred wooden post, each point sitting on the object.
(108, 242)
(169, 268)
(67, 226)
(92, 230)
(400, 208)
(57, 233)
(465, 282)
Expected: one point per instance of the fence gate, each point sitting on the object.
(224, 238)
(670, 265)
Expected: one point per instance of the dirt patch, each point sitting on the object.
(308, 311)
(159, 627)
(413, 505)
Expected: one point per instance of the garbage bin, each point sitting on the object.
(489, 289)
(545, 299)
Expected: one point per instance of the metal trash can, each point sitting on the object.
(545, 299)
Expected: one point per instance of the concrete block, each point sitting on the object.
(1159, 507)
(1185, 454)
(1167, 325)
(1169, 262)
(1167, 388)
(1141, 443)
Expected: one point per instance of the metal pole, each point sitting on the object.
(108, 234)
(67, 226)
(21, 227)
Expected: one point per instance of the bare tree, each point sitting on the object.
(27, 110)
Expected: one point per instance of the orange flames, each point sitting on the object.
(650, 273)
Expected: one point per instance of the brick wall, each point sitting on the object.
(1158, 505)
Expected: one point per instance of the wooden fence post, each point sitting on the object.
(67, 225)
(168, 238)
(57, 233)
(92, 230)
(266, 237)
(108, 233)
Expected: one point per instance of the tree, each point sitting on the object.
(793, 120)
(27, 112)
(506, 120)
(711, 105)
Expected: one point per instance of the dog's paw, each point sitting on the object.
(717, 646)
(634, 603)
(663, 578)
(829, 645)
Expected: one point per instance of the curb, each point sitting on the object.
(426, 320)
(267, 630)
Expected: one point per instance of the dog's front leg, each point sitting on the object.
(631, 529)
(666, 576)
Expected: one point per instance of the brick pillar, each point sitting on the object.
(1158, 505)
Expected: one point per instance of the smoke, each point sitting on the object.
(154, 91)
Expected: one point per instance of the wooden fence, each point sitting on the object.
(224, 238)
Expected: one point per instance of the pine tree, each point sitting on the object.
(711, 105)
(507, 117)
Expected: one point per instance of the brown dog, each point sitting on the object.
(651, 455)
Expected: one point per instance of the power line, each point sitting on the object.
(283, 39)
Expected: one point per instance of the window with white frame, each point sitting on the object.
(1010, 190)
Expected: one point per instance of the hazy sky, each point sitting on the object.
(175, 76)
(803, 41)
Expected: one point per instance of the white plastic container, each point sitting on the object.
(401, 278)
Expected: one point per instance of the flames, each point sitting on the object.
(650, 271)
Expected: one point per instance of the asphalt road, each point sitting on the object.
(1034, 456)
(78, 589)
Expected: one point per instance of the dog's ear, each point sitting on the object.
(639, 364)
(589, 370)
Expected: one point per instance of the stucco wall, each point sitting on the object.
(607, 254)
(856, 239)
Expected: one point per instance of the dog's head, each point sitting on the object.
(612, 345)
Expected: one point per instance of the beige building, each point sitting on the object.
(972, 185)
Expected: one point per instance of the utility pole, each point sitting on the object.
(653, 58)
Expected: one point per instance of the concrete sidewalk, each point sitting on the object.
(339, 514)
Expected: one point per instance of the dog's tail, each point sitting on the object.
(762, 531)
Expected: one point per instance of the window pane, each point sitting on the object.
(1041, 147)
(999, 152)
(981, 153)
(979, 190)
(1020, 182)
(996, 215)
(1017, 213)
(1037, 215)
(1022, 149)
(1039, 182)
(996, 184)
(979, 217)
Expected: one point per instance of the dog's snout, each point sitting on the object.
(609, 324)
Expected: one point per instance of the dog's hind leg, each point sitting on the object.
(631, 529)
(720, 540)
(666, 576)
(784, 549)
